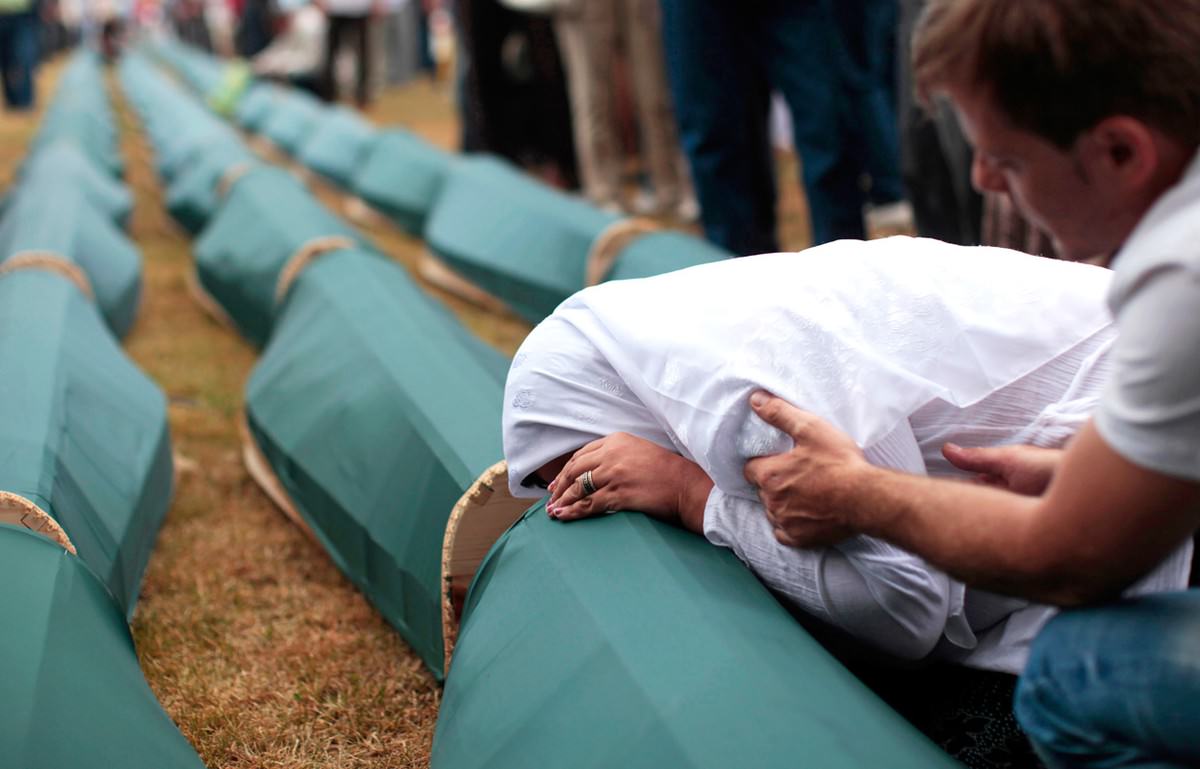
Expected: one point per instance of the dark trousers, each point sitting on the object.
(353, 29)
(723, 59)
(18, 58)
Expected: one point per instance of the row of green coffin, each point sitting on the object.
(85, 440)
(267, 218)
(56, 214)
(66, 201)
(520, 240)
(194, 150)
(83, 432)
(377, 410)
(80, 114)
(73, 692)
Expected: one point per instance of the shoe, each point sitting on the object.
(891, 218)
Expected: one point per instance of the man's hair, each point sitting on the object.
(1058, 67)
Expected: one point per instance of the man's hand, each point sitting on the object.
(799, 488)
(1024, 470)
(630, 473)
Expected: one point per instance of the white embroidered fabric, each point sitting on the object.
(903, 343)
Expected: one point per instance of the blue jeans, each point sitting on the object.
(18, 57)
(1117, 686)
(723, 60)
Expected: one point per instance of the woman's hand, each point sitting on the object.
(630, 473)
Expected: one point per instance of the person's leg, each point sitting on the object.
(721, 100)
(1117, 686)
(798, 44)
(362, 33)
(20, 60)
(641, 23)
(333, 34)
(586, 44)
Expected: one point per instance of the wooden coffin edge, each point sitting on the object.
(438, 274)
(609, 244)
(207, 302)
(482, 514)
(305, 255)
(48, 261)
(19, 511)
(264, 475)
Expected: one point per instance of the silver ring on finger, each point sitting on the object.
(585, 480)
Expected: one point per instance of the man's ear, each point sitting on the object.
(1121, 150)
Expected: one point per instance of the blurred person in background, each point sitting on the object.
(722, 102)
(18, 52)
(512, 91)
(935, 157)
(399, 49)
(349, 25)
(297, 53)
(253, 31)
(868, 34)
(592, 35)
(187, 16)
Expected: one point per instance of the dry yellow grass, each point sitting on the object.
(258, 648)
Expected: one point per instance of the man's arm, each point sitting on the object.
(1102, 523)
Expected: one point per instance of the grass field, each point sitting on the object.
(262, 653)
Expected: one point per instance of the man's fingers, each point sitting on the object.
(985, 461)
(784, 538)
(778, 413)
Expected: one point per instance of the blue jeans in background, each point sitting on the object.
(723, 61)
(1117, 686)
(18, 58)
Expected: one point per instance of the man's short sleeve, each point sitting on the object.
(1150, 411)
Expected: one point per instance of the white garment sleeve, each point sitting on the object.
(877, 593)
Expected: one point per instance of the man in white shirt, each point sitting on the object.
(1087, 112)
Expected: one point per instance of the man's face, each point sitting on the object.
(1051, 187)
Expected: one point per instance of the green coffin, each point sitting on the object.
(266, 218)
(192, 197)
(377, 410)
(66, 165)
(74, 696)
(336, 145)
(83, 433)
(401, 175)
(291, 120)
(79, 113)
(513, 236)
(256, 105)
(46, 216)
(622, 641)
(189, 143)
(660, 252)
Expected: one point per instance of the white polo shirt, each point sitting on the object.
(1150, 408)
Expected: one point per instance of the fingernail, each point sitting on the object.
(552, 485)
(758, 399)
